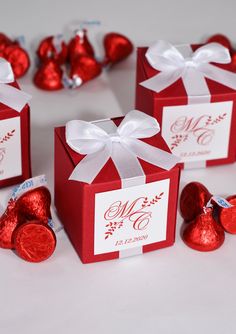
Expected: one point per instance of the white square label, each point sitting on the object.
(199, 131)
(10, 148)
(131, 217)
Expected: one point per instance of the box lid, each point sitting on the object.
(109, 172)
(177, 90)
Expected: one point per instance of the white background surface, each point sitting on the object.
(174, 290)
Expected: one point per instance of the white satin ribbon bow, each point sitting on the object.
(10, 96)
(123, 147)
(193, 67)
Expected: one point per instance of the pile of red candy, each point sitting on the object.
(12, 51)
(206, 221)
(24, 226)
(71, 65)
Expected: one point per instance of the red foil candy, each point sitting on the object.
(117, 47)
(86, 68)
(233, 61)
(193, 198)
(34, 241)
(49, 76)
(48, 50)
(227, 217)
(8, 223)
(35, 205)
(221, 39)
(18, 58)
(4, 42)
(204, 233)
(79, 45)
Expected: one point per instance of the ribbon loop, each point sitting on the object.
(122, 146)
(6, 73)
(9, 95)
(173, 65)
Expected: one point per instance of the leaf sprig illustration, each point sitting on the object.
(177, 140)
(147, 203)
(217, 120)
(112, 226)
(7, 137)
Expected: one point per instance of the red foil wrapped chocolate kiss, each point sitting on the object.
(117, 47)
(35, 205)
(53, 47)
(79, 45)
(34, 241)
(194, 197)
(227, 216)
(49, 76)
(8, 223)
(4, 42)
(18, 58)
(86, 68)
(221, 39)
(204, 233)
(233, 61)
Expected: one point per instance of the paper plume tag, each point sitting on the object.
(222, 202)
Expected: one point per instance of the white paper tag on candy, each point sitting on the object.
(29, 184)
(222, 202)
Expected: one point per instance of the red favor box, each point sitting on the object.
(105, 221)
(201, 131)
(15, 166)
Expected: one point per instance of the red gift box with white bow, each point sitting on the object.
(191, 91)
(116, 186)
(15, 165)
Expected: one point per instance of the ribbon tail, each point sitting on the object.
(162, 80)
(89, 167)
(126, 162)
(220, 75)
(151, 154)
(13, 97)
(195, 83)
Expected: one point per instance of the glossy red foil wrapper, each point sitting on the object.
(85, 67)
(18, 58)
(233, 61)
(193, 199)
(47, 50)
(80, 45)
(8, 223)
(32, 205)
(117, 47)
(49, 76)
(15, 55)
(221, 39)
(204, 233)
(34, 241)
(4, 42)
(35, 205)
(227, 216)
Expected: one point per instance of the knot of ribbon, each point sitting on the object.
(175, 62)
(123, 146)
(9, 95)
